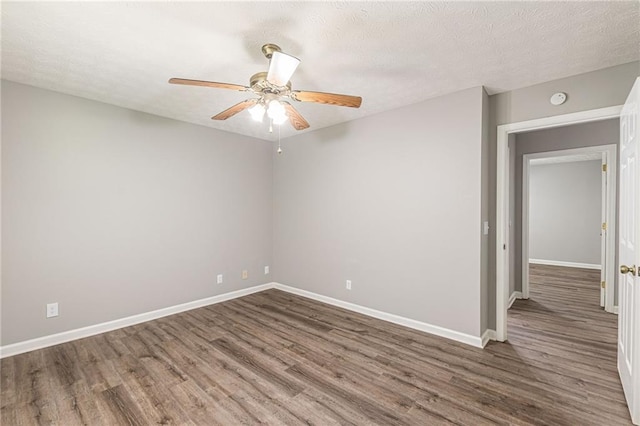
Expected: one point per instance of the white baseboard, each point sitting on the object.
(92, 330)
(79, 333)
(407, 322)
(488, 335)
(515, 295)
(567, 264)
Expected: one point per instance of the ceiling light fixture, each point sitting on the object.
(257, 112)
(276, 112)
(274, 92)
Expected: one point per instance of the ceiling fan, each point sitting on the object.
(273, 91)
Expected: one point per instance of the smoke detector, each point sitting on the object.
(558, 98)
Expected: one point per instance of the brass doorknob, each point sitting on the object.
(624, 269)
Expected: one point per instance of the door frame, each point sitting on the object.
(502, 194)
(608, 155)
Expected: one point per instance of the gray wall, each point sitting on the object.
(106, 207)
(604, 132)
(597, 89)
(393, 203)
(565, 211)
(112, 212)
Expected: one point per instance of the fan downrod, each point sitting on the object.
(269, 48)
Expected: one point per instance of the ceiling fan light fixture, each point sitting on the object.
(257, 112)
(281, 68)
(280, 120)
(273, 91)
(276, 112)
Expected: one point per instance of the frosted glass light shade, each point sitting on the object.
(257, 112)
(281, 68)
(280, 120)
(276, 112)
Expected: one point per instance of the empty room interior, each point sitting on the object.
(392, 213)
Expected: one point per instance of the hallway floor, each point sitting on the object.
(567, 344)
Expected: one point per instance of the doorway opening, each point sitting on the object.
(503, 200)
(569, 214)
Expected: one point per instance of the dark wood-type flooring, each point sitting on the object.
(275, 358)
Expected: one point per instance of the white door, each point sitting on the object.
(629, 225)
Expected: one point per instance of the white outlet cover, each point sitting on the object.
(219, 279)
(266, 270)
(348, 284)
(52, 310)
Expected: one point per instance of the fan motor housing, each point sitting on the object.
(258, 83)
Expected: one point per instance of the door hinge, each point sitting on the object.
(603, 284)
(604, 226)
(604, 167)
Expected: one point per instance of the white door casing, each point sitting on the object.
(629, 253)
(502, 195)
(608, 155)
(604, 231)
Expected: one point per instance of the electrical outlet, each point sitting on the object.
(348, 284)
(219, 278)
(245, 274)
(52, 310)
(266, 270)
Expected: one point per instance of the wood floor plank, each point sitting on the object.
(259, 368)
(201, 408)
(123, 407)
(277, 358)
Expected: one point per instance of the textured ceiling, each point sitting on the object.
(390, 53)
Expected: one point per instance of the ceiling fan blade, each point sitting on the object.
(327, 98)
(207, 84)
(281, 68)
(297, 121)
(230, 112)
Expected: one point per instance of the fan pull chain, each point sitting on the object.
(279, 147)
(271, 125)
